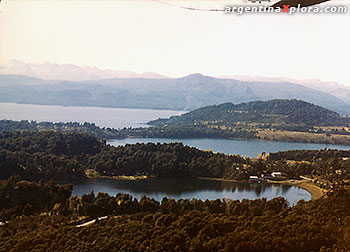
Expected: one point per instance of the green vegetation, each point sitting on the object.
(279, 114)
(69, 127)
(36, 155)
(20, 197)
(184, 225)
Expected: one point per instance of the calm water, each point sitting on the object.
(241, 147)
(158, 188)
(103, 117)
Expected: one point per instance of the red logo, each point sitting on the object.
(285, 8)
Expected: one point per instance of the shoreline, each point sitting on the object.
(221, 179)
(125, 177)
(92, 174)
(315, 191)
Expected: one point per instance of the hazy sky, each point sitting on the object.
(150, 36)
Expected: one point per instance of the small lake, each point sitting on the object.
(103, 117)
(158, 188)
(249, 148)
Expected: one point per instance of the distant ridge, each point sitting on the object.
(70, 72)
(331, 87)
(186, 93)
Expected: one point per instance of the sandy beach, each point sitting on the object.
(315, 191)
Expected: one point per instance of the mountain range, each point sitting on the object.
(69, 85)
(53, 71)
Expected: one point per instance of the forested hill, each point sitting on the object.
(279, 111)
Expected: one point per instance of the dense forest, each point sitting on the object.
(54, 222)
(36, 155)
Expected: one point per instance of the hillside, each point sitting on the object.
(273, 112)
(187, 93)
(274, 120)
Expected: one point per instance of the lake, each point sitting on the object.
(103, 117)
(249, 148)
(158, 188)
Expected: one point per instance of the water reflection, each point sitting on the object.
(158, 188)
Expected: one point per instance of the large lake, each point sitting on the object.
(158, 188)
(103, 117)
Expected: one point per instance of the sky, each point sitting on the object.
(143, 36)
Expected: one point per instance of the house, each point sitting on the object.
(277, 176)
(256, 179)
(267, 176)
